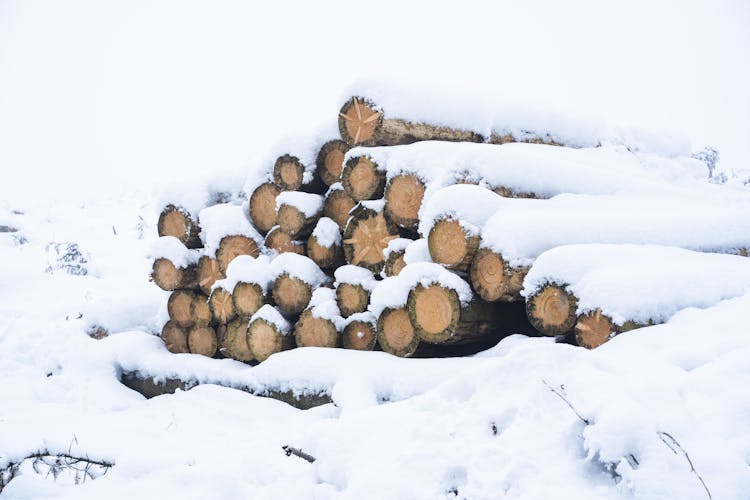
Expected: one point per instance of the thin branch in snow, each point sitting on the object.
(674, 445)
(560, 392)
(297, 453)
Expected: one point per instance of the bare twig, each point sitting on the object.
(674, 445)
(560, 392)
(56, 463)
(297, 453)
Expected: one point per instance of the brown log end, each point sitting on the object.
(288, 172)
(200, 310)
(202, 340)
(403, 198)
(264, 339)
(337, 206)
(351, 299)
(552, 310)
(291, 294)
(396, 334)
(359, 335)
(325, 257)
(394, 263)
(493, 279)
(294, 222)
(280, 241)
(179, 307)
(450, 245)
(434, 312)
(208, 273)
(358, 122)
(222, 306)
(315, 332)
(361, 179)
(247, 299)
(262, 206)
(169, 277)
(365, 238)
(232, 246)
(174, 221)
(330, 161)
(593, 329)
(234, 344)
(174, 337)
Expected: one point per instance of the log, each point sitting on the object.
(451, 245)
(264, 338)
(234, 344)
(208, 273)
(169, 277)
(361, 178)
(296, 223)
(496, 138)
(439, 318)
(394, 263)
(180, 307)
(395, 332)
(337, 206)
(200, 310)
(289, 175)
(403, 198)
(202, 340)
(262, 206)
(291, 294)
(177, 222)
(311, 331)
(222, 305)
(325, 257)
(330, 161)
(366, 236)
(509, 193)
(232, 246)
(362, 123)
(493, 279)
(351, 299)
(280, 241)
(174, 337)
(594, 329)
(552, 310)
(247, 299)
(359, 335)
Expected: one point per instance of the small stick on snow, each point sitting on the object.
(297, 453)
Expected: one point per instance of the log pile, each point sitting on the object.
(359, 245)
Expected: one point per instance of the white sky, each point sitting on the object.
(96, 95)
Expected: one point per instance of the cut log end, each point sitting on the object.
(264, 339)
(396, 334)
(359, 335)
(361, 179)
(403, 198)
(263, 206)
(232, 246)
(315, 332)
(202, 340)
(434, 311)
(330, 161)
(222, 306)
(247, 299)
(366, 237)
(234, 344)
(200, 310)
(493, 279)
(450, 244)
(337, 206)
(594, 329)
(282, 242)
(294, 222)
(169, 277)
(174, 221)
(174, 337)
(358, 122)
(351, 299)
(552, 310)
(179, 307)
(394, 263)
(208, 273)
(291, 294)
(324, 257)
(288, 172)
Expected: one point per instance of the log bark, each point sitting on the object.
(294, 222)
(222, 306)
(394, 263)
(509, 193)
(174, 337)
(594, 329)
(208, 273)
(289, 172)
(278, 240)
(325, 257)
(234, 344)
(396, 334)
(337, 206)
(359, 335)
(202, 340)
(439, 318)
(361, 179)
(169, 277)
(315, 332)
(552, 310)
(450, 244)
(175, 221)
(232, 246)
(366, 236)
(496, 138)
(265, 339)
(351, 299)
(403, 198)
(362, 123)
(330, 161)
(180, 308)
(247, 299)
(493, 279)
(262, 206)
(291, 294)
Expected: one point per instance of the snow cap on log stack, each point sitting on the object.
(223, 220)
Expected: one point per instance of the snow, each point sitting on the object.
(524, 229)
(169, 247)
(396, 245)
(374, 205)
(469, 204)
(364, 317)
(298, 266)
(307, 203)
(223, 220)
(323, 305)
(417, 251)
(640, 282)
(269, 314)
(355, 275)
(247, 269)
(393, 292)
(327, 232)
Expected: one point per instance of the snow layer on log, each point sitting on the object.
(365, 317)
(246, 269)
(224, 220)
(327, 232)
(307, 203)
(169, 247)
(417, 251)
(298, 266)
(274, 317)
(396, 245)
(394, 291)
(323, 305)
(639, 282)
(470, 205)
(524, 229)
(355, 275)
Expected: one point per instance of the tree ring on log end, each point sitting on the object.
(200, 310)
(179, 307)
(488, 275)
(552, 310)
(232, 246)
(222, 305)
(202, 340)
(234, 344)
(434, 312)
(263, 339)
(166, 275)
(247, 298)
(448, 243)
(403, 199)
(351, 299)
(263, 206)
(288, 172)
(208, 273)
(281, 242)
(366, 238)
(331, 160)
(358, 121)
(174, 337)
(174, 222)
(359, 335)
(593, 329)
(396, 334)
(291, 294)
(337, 206)
(361, 178)
(315, 332)
(290, 219)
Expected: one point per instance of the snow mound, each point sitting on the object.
(327, 232)
(355, 275)
(307, 203)
(246, 269)
(298, 266)
(469, 204)
(223, 220)
(169, 247)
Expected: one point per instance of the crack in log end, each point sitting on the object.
(358, 121)
(594, 329)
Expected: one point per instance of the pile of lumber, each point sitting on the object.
(412, 237)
